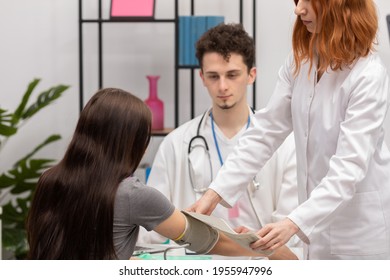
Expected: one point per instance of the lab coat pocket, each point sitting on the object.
(360, 228)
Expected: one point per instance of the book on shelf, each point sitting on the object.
(191, 28)
(214, 21)
(184, 39)
(193, 32)
(132, 9)
(200, 22)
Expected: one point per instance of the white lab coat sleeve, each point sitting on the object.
(360, 131)
(286, 193)
(277, 195)
(269, 127)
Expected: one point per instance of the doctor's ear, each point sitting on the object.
(201, 75)
(252, 75)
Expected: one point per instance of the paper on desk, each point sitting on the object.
(244, 239)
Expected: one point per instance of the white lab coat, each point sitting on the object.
(276, 197)
(343, 162)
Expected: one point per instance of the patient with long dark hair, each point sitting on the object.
(90, 206)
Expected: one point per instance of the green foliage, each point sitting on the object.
(20, 181)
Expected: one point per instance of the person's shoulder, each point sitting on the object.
(369, 66)
(132, 196)
(287, 68)
(133, 187)
(130, 184)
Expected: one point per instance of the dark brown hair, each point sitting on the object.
(226, 39)
(71, 216)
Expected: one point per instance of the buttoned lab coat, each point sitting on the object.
(274, 200)
(343, 162)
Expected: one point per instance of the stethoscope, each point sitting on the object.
(200, 142)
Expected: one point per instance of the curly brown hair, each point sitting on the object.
(226, 39)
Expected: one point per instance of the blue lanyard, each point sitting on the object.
(215, 137)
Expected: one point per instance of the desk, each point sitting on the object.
(175, 252)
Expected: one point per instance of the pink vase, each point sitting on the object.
(155, 104)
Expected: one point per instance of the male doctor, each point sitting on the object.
(191, 155)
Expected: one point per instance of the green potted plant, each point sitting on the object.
(19, 182)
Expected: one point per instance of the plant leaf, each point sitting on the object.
(22, 178)
(44, 99)
(50, 139)
(15, 240)
(18, 112)
(26, 174)
(5, 181)
(7, 130)
(12, 237)
(6, 127)
(13, 215)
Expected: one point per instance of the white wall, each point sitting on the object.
(40, 39)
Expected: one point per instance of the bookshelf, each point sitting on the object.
(100, 21)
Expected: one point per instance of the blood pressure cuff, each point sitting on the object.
(199, 237)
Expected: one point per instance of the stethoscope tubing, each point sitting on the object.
(206, 146)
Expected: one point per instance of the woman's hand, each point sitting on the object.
(283, 253)
(206, 204)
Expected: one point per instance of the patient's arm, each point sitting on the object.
(204, 239)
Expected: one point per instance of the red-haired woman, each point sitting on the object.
(333, 93)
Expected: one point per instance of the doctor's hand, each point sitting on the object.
(275, 235)
(206, 204)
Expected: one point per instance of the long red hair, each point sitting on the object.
(349, 29)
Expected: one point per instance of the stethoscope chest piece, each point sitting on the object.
(256, 184)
